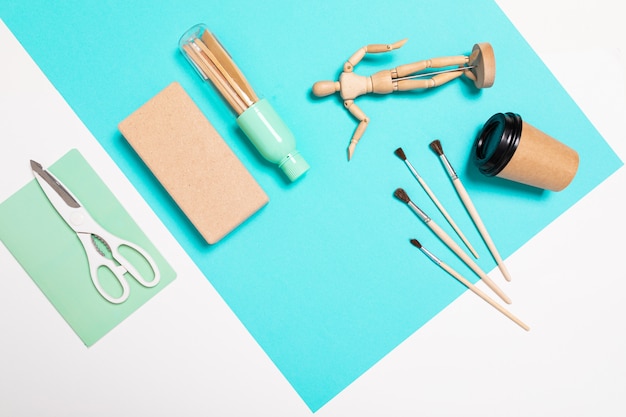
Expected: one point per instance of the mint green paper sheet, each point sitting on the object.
(51, 253)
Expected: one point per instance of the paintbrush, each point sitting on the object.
(469, 206)
(447, 240)
(469, 285)
(400, 154)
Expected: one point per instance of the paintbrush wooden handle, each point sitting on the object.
(469, 206)
(446, 215)
(484, 296)
(445, 238)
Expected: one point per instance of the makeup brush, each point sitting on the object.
(468, 284)
(400, 154)
(469, 206)
(447, 240)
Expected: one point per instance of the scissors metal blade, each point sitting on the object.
(54, 184)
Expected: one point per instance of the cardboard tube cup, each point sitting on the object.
(507, 147)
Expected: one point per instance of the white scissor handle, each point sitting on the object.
(119, 265)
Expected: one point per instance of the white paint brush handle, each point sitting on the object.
(469, 206)
(484, 296)
(446, 215)
(445, 238)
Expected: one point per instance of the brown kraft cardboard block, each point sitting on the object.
(193, 163)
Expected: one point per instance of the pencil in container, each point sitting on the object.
(255, 116)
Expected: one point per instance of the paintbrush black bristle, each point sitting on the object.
(402, 195)
(435, 145)
(416, 243)
(400, 154)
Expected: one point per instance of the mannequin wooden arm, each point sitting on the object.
(360, 129)
(374, 48)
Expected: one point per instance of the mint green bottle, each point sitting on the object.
(256, 117)
(272, 138)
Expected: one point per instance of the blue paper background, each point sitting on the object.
(324, 277)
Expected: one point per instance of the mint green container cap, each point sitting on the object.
(272, 138)
(294, 165)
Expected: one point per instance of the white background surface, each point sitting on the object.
(185, 354)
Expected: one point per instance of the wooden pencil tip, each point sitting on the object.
(402, 195)
(400, 154)
(416, 243)
(435, 145)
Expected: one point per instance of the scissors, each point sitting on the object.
(101, 247)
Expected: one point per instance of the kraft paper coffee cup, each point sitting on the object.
(507, 147)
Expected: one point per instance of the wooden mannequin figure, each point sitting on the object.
(480, 67)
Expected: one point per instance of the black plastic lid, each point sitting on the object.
(497, 142)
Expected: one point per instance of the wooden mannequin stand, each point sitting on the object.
(479, 66)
